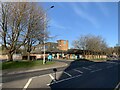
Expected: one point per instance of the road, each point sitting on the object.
(79, 74)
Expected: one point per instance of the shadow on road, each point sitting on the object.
(74, 64)
(89, 80)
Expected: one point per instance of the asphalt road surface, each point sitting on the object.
(79, 74)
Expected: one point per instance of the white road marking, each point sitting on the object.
(77, 70)
(64, 79)
(44, 75)
(27, 84)
(111, 62)
(92, 65)
(117, 86)
(0, 84)
(29, 81)
(96, 70)
(109, 66)
(67, 73)
(52, 77)
(86, 68)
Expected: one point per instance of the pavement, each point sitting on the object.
(33, 69)
(76, 75)
(39, 68)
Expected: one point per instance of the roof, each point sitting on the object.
(78, 51)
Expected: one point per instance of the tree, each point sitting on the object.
(36, 25)
(110, 50)
(90, 42)
(117, 50)
(21, 25)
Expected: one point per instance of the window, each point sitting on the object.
(64, 42)
(46, 47)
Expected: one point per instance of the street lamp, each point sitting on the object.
(44, 32)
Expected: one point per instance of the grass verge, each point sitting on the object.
(23, 64)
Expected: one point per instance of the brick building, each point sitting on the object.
(63, 45)
(60, 50)
(53, 48)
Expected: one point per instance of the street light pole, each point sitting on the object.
(44, 37)
(45, 33)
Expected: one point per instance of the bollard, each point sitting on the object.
(55, 70)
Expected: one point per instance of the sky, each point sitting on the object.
(70, 20)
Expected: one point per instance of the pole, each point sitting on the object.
(45, 33)
(44, 37)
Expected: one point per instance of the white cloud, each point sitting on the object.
(57, 25)
(81, 13)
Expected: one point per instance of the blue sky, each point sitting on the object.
(69, 20)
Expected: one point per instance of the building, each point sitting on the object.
(49, 46)
(63, 45)
(60, 50)
(56, 49)
(86, 54)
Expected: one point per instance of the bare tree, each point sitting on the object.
(22, 24)
(90, 42)
(36, 24)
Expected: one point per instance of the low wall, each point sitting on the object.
(17, 57)
(3, 57)
(40, 56)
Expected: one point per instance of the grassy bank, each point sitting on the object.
(23, 64)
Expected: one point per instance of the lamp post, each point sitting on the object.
(44, 32)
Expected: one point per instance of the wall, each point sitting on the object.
(63, 45)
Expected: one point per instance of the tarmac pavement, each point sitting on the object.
(94, 75)
(61, 63)
(97, 75)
